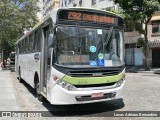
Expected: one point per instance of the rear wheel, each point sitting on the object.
(39, 96)
(20, 79)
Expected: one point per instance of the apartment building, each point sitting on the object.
(46, 6)
(75, 3)
(154, 39)
(104, 4)
(41, 11)
(99, 4)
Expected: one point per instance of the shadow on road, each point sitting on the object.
(91, 109)
(30, 89)
(97, 109)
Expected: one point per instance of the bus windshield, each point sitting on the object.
(89, 47)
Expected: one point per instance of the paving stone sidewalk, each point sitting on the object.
(7, 95)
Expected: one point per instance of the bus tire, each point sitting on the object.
(40, 97)
(119, 102)
(20, 79)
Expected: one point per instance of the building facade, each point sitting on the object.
(75, 3)
(99, 4)
(154, 39)
(46, 6)
(41, 11)
(133, 52)
(49, 5)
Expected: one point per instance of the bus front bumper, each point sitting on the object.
(61, 96)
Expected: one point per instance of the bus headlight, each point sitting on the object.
(119, 83)
(65, 85)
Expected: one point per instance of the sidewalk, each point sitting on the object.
(139, 69)
(7, 96)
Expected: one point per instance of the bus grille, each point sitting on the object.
(95, 85)
(94, 73)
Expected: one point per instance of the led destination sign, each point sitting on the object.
(87, 16)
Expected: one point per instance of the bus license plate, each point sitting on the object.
(97, 95)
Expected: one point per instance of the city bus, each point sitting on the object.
(12, 58)
(74, 56)
(12, 61)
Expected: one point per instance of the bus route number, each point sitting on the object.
(74, 15)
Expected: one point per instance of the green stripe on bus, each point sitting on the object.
(92, 80)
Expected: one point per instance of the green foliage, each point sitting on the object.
(15, 15)
(141, 42)
(128, 22)
(139, 11)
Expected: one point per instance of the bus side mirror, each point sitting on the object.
(51, 41)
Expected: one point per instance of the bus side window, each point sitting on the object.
(19, 47)
(37, 41)
(31, 41)
(23, 46)
(27, 44)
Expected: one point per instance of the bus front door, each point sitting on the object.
(46, 62)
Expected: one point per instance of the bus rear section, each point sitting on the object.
(12, 58)
(12, 61)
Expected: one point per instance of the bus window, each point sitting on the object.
(31, 41)
(37, 42)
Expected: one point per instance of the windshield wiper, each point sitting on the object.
(108, 37)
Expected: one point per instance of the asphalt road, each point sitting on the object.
(141, 94)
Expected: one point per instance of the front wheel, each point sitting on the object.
(20, 79)
(39, 96)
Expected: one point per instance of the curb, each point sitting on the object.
(157, 72)
(143, 71)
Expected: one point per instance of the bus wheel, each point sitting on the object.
(39, 96)
(20, 79)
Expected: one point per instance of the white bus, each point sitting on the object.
(75, 56)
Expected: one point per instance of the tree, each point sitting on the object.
(128, 22)
(140, 13)
(15, 15)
